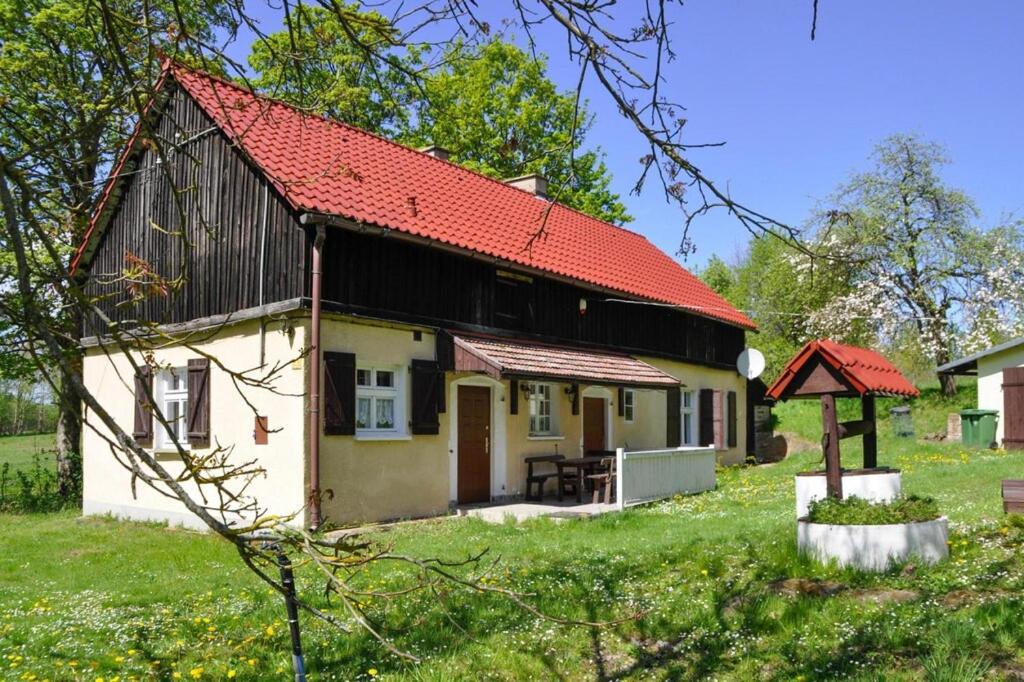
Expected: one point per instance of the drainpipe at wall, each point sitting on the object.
(314, 380)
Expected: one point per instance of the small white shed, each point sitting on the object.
(1000, 372)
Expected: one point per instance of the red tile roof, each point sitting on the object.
(324, 166)
(868, 371)
(501, 358)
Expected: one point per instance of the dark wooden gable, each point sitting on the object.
(816, 378)
(207, 192)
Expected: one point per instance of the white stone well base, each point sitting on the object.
(874, 548)
(873, 485)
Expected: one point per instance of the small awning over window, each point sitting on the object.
(506, 359)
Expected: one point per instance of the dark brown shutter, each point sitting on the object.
(622, 402)
(198, 402)
(672, 417)
(143, 430)
(575, 388)
(339, 394)
(731, 430)
(513, 398)
(427, 385)
(705, 416)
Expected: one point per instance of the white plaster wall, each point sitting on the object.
(881, 487)
(990, 381)
(874, 548)
(107, 484)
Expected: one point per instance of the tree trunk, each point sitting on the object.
(946, 381)
(69, 436)
(69, 421)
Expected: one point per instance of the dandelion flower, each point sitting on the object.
(372, 672)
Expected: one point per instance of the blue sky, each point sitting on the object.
(798, 117)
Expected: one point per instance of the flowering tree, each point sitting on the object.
(925, 273)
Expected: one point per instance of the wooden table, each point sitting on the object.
(583, 466)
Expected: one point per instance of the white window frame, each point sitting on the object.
(171, 399)
(539, 394)
(688, 415)
(629, 405)
(373, 393)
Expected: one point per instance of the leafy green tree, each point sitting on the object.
(720, 277)
(322, 67)
(494, 108)
(65, 69)
(491, 105)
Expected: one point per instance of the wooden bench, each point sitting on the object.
(538, 479)
(603, 483)
(1013, 496)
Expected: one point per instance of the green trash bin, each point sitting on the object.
(978, 427)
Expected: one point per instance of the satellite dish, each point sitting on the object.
(750, 363)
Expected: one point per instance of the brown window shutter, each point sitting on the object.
(575, 399)
(143, 430)
(339, 394)
(622, 402)
(719, 420)
(427, 385)
(731, 430)
(513, 398)
(705, 416)
(673, 425)
(199, 402)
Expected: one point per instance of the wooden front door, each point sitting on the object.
(594, 436)
(1013, 408)
(474, 466)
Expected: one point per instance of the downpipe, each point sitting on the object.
(314, 379)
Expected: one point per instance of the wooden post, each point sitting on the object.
(830, 446)
(867, 405)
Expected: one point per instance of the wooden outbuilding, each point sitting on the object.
(828, 370)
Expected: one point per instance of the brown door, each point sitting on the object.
(593, 425)
(474, 474)
(1013, 408)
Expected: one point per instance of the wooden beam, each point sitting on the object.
(867, 405)
(858, 428)
(830, 446)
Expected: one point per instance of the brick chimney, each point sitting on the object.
(436, 152)
(532, 183)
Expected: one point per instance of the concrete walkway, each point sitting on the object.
(520, 511)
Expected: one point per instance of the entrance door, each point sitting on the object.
(1013, 408)
(594, 436)
(474, 466)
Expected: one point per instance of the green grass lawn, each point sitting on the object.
(84, 599)
(21, 451)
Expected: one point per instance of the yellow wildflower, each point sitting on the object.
(270, 631)
(372, 672)
(231, 674)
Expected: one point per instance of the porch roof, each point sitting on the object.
(502, 358)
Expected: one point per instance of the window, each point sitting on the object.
(628, 405)
(543, 416)
(379, 401)
(689, 418)
(172, 397)
(513, 300)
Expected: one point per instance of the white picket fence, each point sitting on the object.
(648, 475)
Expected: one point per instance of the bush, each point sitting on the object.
(33, 489)
(855, 511)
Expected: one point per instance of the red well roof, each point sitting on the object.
(865, 370)
(500, 358)
(327, 167)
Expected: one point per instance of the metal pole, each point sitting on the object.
(288, 581)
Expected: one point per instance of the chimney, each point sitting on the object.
(436, 152)
(532, 183)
